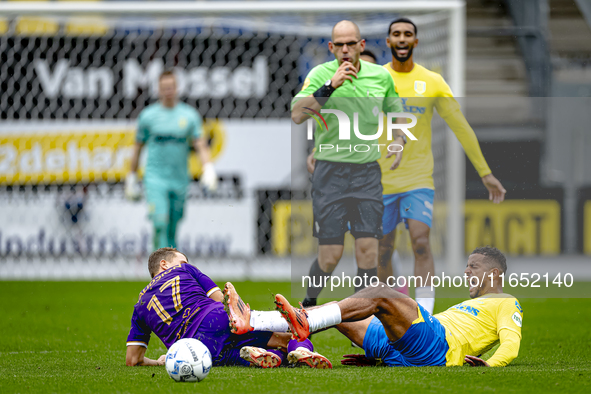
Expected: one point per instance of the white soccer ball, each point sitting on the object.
(188, 360)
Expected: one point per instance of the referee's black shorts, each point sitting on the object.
(346, 196)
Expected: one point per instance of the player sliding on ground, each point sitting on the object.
(182, 302)
(393, 328)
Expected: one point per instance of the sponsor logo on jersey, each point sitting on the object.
(412, 109)
(170, 138)
(182, 123)
(466, 308)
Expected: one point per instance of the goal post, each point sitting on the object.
(225, 7)
(174, 30)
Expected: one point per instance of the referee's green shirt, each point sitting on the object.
(366, 95)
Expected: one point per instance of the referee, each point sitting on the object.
(346, 185)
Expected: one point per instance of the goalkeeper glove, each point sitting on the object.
(209, 178)
(132, 187)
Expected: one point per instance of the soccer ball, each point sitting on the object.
(188, 360)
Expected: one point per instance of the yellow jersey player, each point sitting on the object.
(409, 190)
(399, 332)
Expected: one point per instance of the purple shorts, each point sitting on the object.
(214, 332)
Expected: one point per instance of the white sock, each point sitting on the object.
(268, 321)
(425, 297)
(323, 317)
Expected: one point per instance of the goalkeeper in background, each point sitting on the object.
(409, 190)
(169, 128)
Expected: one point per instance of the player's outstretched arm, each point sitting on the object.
(450, 111)
(496, 191)
(456, 120)
(135, 357)
(507, 351)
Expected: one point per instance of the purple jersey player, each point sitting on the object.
(182, 302)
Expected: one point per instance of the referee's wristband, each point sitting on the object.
(323, 93)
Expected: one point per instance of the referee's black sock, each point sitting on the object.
(360, 272)
(317, 280)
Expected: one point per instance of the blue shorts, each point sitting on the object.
(214, 332)
(423, 344)
(415, 204)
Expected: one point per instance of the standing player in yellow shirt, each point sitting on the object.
(409, 190)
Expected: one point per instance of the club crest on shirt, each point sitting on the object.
(182, 123)
(420, 87)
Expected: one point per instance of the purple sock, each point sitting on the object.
(281, 354)
(294, 344)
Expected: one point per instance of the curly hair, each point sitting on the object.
(493, 257)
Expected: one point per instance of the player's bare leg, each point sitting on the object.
(279, 340)
(329, 256)
(424, 264)
(395, 310)
(355, 330)
(386, 250)
(387, 268)
(366, 254)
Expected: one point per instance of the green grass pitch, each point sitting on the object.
(70, 337)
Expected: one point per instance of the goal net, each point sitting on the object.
(75, 76)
